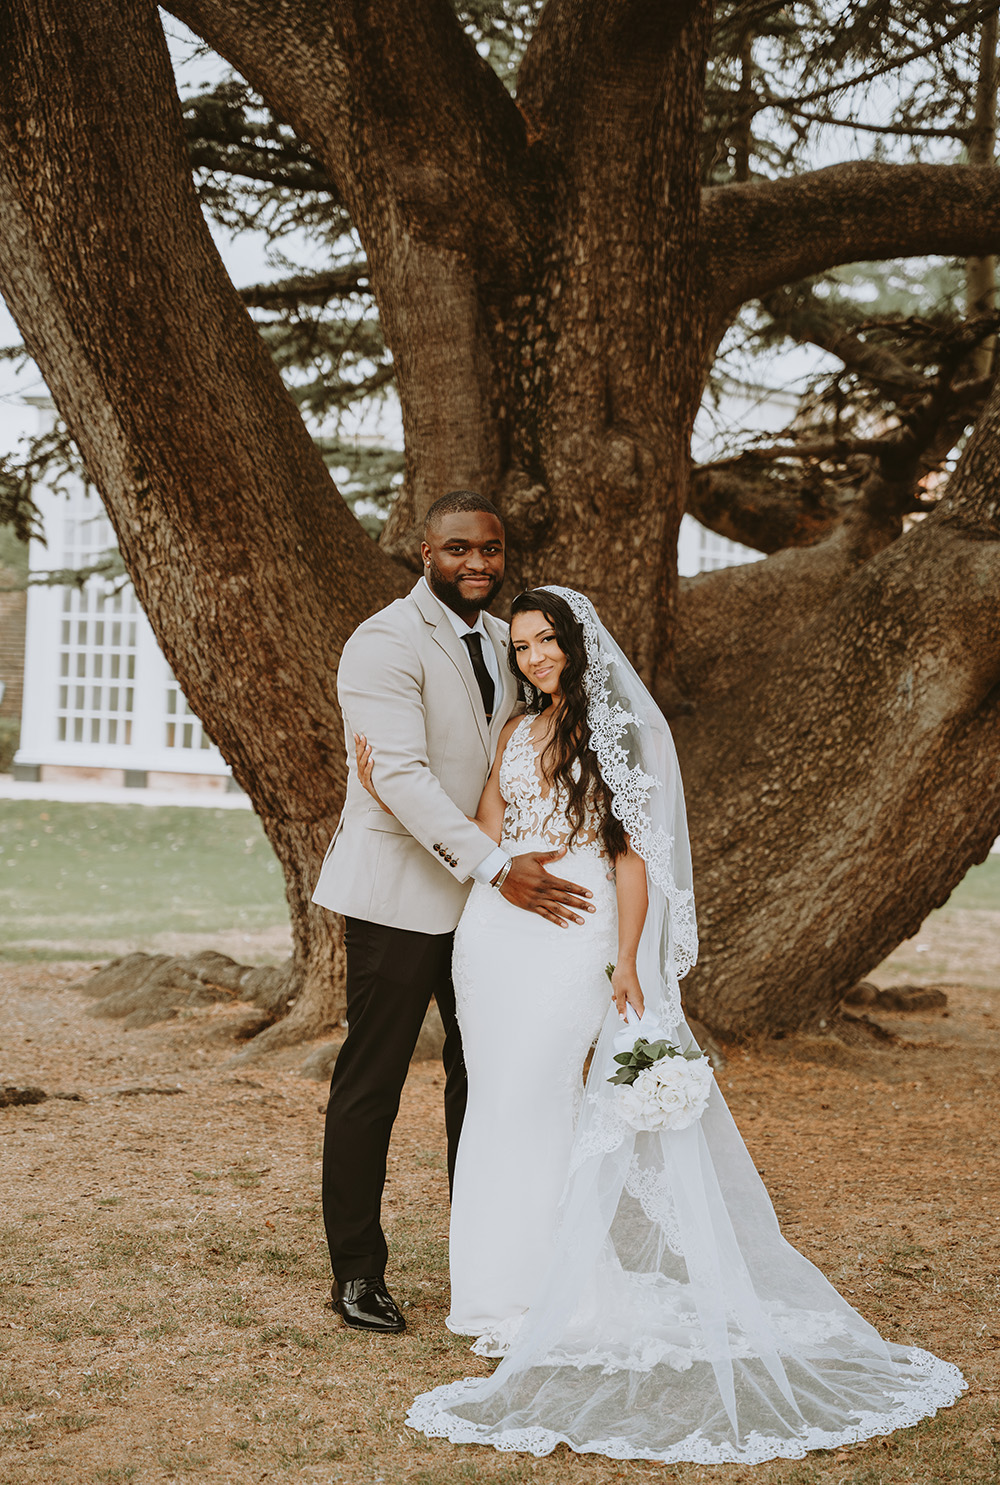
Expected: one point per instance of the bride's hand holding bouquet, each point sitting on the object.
(625, 987)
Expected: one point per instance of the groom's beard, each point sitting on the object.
(453, 595)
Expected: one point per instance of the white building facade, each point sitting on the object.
(700, 550)
(100, 702)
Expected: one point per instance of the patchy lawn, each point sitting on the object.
(90, 881)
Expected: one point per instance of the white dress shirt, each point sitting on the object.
(497, 859)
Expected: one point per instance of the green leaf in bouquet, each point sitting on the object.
(609, 970)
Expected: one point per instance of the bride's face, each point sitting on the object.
(539, 658)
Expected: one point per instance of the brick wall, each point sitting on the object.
(12, 611)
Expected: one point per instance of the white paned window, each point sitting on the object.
(719, 551)
(184, 729)
(98, 692)
(701, 550)
(97, 639)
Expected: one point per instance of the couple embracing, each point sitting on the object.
(513, 836)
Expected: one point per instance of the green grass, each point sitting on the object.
(73, 876)
(956, 944)
(979, 890)
(84, 881)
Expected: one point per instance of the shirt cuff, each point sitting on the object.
(487, 870)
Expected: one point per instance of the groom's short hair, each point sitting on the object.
(457, 501)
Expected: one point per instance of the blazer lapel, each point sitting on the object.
(445, 636)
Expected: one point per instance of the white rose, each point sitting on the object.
(671, 1094)
(634, 1105)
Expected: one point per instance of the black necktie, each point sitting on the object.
(485, 680)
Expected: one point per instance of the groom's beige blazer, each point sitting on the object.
(406, 681)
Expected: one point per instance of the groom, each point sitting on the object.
(427, 681)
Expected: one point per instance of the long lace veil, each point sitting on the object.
(674, 1322)
(638, 762)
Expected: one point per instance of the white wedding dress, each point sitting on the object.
(636, 1283)
(531, 999)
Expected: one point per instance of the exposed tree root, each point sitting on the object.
(143, 989)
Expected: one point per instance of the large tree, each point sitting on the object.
(553, 280)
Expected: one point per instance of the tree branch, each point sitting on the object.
(579, 49)
(834, 446)
(613, 91)
(223, 137)
(394, 101)
(429, 154)
(323, 392)
(902, 131)
(963, 26)
(802, 316)
(755, 237)
(772, 497)
(595, 73)
(766, 509)
(309, 288)
(258, 167)
(211, 480)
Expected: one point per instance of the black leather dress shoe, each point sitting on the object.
(366, 1304)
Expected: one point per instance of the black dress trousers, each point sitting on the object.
(391, 975)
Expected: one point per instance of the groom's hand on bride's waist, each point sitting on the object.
(528, 885)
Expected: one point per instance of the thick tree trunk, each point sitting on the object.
(542, 313)
(429, 154)
(250, 567)
(551, 282)
(607, 380)
(840, 758)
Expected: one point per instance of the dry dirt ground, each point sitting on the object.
(164, 1272)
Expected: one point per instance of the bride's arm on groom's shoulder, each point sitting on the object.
(489, 815)
(633, 902)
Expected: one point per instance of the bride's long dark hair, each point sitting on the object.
(570, 740)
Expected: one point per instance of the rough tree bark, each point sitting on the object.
(248, 563)
(552, 283)
(840, 749)
(538, 304)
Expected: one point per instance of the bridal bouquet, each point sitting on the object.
(661, 1087)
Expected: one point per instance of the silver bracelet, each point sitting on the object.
(503, 872)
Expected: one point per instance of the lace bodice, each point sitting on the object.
(532, 813)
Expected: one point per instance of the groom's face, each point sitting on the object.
(464, 560)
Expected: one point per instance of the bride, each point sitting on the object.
(633, 1279)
